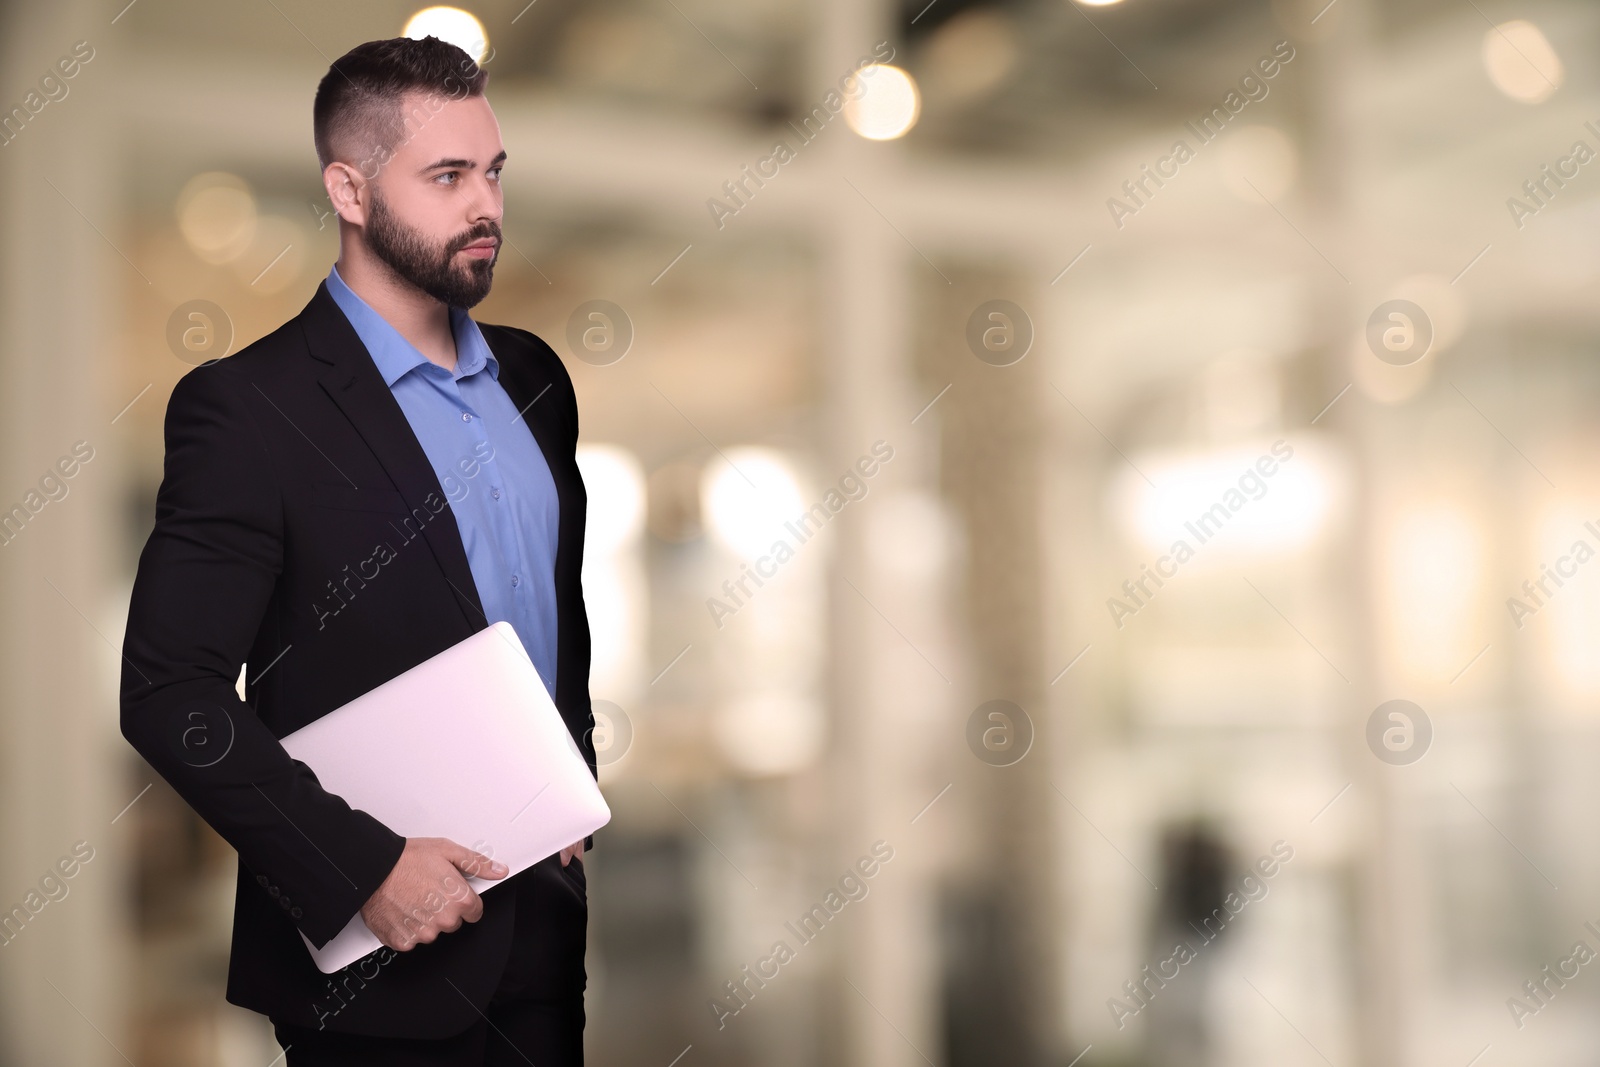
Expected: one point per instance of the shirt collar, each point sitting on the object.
(393, 354)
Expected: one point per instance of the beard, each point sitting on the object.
(429, 267)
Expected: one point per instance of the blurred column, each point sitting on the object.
(886, 671)
(1388, 906)
(994, 445)
(63, 977)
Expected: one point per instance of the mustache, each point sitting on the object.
(477, 233)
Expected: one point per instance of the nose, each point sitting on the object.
(484, 203)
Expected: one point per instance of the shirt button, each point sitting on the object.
(496, 492)
(515, 580)
(466, 416)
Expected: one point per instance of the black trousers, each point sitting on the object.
(535, 1016)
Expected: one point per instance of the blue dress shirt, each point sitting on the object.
(488, 463)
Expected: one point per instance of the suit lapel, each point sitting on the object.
(529, 386)
(353, 382)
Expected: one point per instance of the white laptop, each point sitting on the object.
(466, 745)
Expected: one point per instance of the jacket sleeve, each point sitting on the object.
(204, 581)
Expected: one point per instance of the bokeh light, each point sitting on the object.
(747, 496)
(889, 107)
(452, 24)
(1521, 61)
(217, 215)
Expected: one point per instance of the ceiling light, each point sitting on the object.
(458, 27)
(888, 108)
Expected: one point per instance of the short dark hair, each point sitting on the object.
(359, 103)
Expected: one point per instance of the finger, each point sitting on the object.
(406, 932)
(476, 864)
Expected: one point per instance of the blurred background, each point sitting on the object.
(1179, 419)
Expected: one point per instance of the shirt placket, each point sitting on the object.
(500, 509)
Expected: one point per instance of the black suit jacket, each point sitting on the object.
(287, 466)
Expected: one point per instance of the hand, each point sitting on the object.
(425, 895)
(571, 851)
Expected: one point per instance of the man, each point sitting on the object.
(362, 488)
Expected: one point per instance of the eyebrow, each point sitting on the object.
(462, 164)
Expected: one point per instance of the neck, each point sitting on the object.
(415, 315)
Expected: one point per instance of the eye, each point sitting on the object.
(447, 174)
(496, 172)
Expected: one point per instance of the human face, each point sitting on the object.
(434, 216)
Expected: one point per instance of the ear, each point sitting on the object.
(347, 190)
